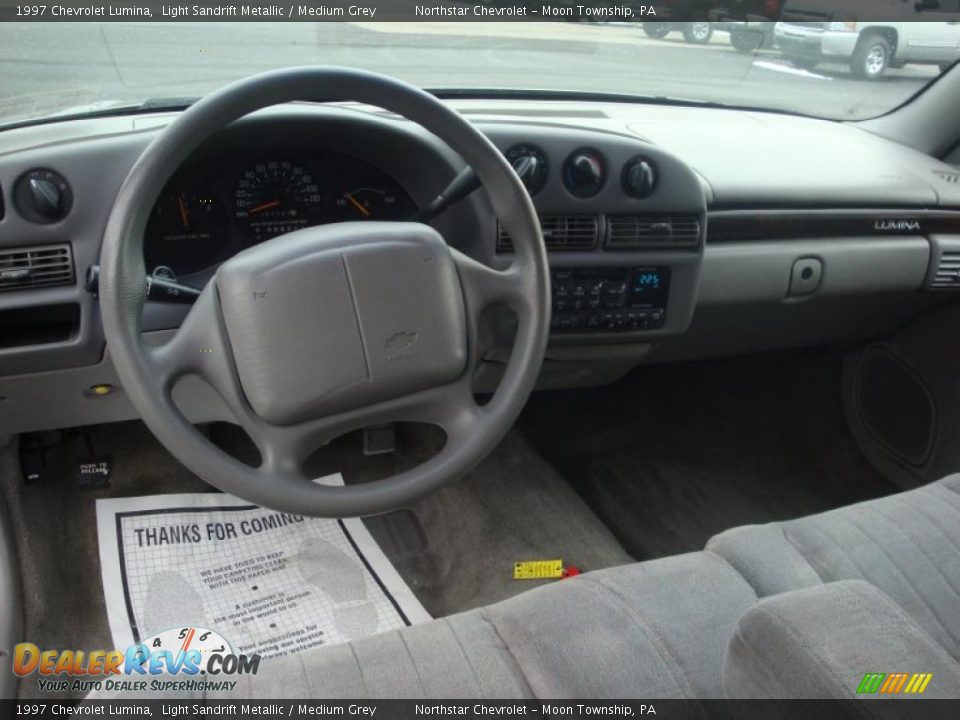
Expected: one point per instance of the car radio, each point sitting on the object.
(609, 299)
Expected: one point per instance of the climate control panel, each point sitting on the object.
(609, 299)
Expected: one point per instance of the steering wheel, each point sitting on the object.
(331, 328)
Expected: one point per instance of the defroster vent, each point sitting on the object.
(32, 267)
(560, 233)
(652, 231)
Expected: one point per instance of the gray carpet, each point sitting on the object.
(673, 454)
(55, 528)
(455, 549)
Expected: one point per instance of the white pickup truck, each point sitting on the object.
(925, 31)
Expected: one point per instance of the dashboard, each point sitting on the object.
(213, 209)
(673, 233)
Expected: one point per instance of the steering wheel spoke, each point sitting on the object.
(199, 346)
(484, 286)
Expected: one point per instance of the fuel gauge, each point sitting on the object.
(187, 231)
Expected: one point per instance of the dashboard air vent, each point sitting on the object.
(649, 231)
(43, 266)
(560, 233)
(948, 272)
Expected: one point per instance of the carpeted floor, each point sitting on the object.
(664, 458)
(673, 454)
(455, 549)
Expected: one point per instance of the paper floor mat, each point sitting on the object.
(269, 583)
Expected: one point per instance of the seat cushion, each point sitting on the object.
(656, 629)
(821, 641)
(907, 545)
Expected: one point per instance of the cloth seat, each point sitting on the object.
(907, 545)
(823, 641)
(664, 628)
(655, 629)
(659, 628)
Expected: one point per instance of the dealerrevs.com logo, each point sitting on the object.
(181, 659)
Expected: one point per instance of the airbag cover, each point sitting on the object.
(336, 317)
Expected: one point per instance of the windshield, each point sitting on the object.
(72, 68)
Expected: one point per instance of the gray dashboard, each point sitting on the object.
(712, 256)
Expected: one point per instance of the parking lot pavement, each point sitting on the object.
(50, 67)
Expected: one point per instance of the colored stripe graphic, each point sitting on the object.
(894, 683)
(919, 683)
(871, 682)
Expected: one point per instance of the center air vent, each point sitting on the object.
(45, 266)
(948, 272)
(652, 231)
(560, 233)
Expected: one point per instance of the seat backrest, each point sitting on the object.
(841, 640)
(907, 545)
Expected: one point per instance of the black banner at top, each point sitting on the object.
(825, 15)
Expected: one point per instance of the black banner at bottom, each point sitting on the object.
(907, 709)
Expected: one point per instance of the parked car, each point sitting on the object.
(749, 22)
(689, 17)
(807, 36)
(698, 33)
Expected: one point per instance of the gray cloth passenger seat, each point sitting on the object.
(907, 545)
(661, 629)
(689, 626)
(823, 642)
(657, 629)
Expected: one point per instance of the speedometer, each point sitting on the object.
(276, 197)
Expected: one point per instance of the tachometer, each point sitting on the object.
(276, 197)
(187, 231)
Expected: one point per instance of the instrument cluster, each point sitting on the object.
(214, 208)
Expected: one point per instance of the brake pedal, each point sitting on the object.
(379, 439)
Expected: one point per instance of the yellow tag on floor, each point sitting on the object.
(538, 569)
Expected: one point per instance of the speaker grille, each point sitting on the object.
(896, 407)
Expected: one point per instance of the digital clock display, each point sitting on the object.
(648, 285)
(647, 280)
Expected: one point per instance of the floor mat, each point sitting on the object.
(271, 583)
(455, 548)
(673, 454)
